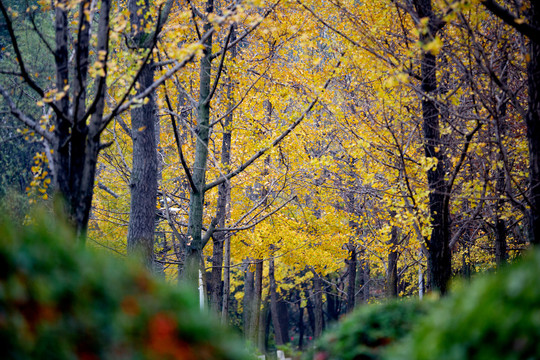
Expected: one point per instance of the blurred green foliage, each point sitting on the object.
(61, 301)
(495, 317)
(366, 332)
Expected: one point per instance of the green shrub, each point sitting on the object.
(364, 333)
(59, 301)
(495, 317)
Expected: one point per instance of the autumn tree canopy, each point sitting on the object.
(294, 158)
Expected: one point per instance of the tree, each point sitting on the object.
(77, 97)
(529, 26)
(144, 173)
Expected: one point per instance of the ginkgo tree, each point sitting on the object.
(412, 157)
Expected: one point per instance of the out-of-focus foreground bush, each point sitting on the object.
(59, 301)
(366, 332)
(495, 317)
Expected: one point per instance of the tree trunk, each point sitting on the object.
(439, 255)
(502, 178)
(392, 273)
(256, 303)
(283, 314)
(223, 203)
(248, 300)
(263, 326)
(196, 200)
(362, 283)
(279, 338)
(332, 304)
(351, 288)
(311, 312)
(143, 182)
(216, 285)
(317, 306)
(226, 280)
(301, 327)
(533, 126)
(76, 144)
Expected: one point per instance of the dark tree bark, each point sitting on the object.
(283, 314)
(143, 183)
(226, 280)
(279, 337)
(263, 325)
(392, 273)
(351, 278)
(332, 304)
(362, 282)
(248, 300)
(530, 29)
(533, 125)
(502, 178)
(317, 306)
(256, 304)
(300, 326)
(439, 256)
(311, 313)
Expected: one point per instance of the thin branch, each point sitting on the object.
(106, 189)
(231, 110)
(194, 11)
(246, 33)
(209, 232)
(18, 54)
(462, 158)
(24, 73)
(40, 35)
(523, 28)
(171, 224)
(177, 139)
(220, 68)
(259, 153)
(246, 227)
(28, 121)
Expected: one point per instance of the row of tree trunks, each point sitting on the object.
(259, 313)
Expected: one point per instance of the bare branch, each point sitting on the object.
(177, 139)
(523, 28)
(232, 109)
(247, 32)
(259, 220)
(25, 119)
(259, 153)
(220, 68)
